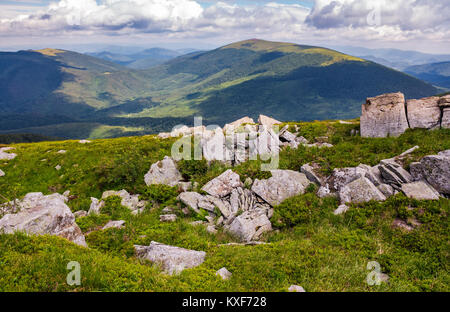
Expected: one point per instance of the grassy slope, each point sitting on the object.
(312, 248)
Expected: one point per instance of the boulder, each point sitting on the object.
(132, 202)
(2, 173)
(223, 184)
(383, 116)
(224, 273)
(7, 156)
(282, 185)
(163, 172)
(40, 215)
(172, 259)
(445, 123)
(241, 199)
(168, 218)
(360, 191)
(386, 189)
(267, 121)
(310, 173)
(416, 171)
(372, 173)
(286, 136)
(296, 288)
(250, 225)
(114, 224)
(420, 190)
(235, 124)
(436, 170)
(424, 113)
(343, 176)
(393, 173)
(192, 200)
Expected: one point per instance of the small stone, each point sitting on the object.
(58, 167)
(114, 224)
(296, 288)
(168, 218)
(2, 174)
(62, 152)
(80, 214)
(224, 273)
(341, 209)
(84, 141)
(211, 229)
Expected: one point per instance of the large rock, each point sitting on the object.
(436, 170)
(267, 121)
(172, 259)
(383, 116)
(7, 156)
(282, 185)
(250, 225)
(39, 215)
(163, 172)
(424, 113)
(343, 176)
(420, 190)
(360, 191)
(223, 184)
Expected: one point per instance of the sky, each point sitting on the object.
(421, 25)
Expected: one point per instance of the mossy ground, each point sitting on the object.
(310, 246)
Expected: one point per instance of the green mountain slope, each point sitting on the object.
(50, 91)
(435, 73)
(287, 81)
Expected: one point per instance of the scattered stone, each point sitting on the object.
(250, 225)
(235, 124)
(360, 191)
(2, 173)
(420, 190)
(386, 189)
(195, 201)
(308, 170)
(96, 206)
(341, 209)
(223, 184)
(384, 115)
(163, 172)
(168, 218)
(286, 136)
(185, 186)
(197, 223)
(267, 121)
(84, 141)
(211, 229)
(61, 152)
(132, 202)
(39, 215)
(7, 156)
(436, 169)
(58, 167)
(114, 224)
(296, 288)
(167, 210)
(224, 273)
(80, 214)
(393, 173)
(282, 185)
(424, 113)
(398, 223)
(172, 259)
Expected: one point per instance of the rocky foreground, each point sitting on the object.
(244, 208)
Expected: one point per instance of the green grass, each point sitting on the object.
(309, 246)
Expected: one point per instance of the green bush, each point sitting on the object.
(114, 208)
(161, 194)
(92, 222)
(190, 169)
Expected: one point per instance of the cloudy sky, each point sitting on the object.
(422, 25)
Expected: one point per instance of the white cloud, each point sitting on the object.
(341, 21)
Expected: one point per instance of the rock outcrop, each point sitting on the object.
(383, 116)
(173, 260)
(223, 184)
(389, 114)
(37, 214)
(435, 169)
(163, 172)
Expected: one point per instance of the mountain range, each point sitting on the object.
(436, 73)
(71, 95)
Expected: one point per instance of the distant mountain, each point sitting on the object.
(284, 80)
(141, 60)
(398, 59)
(71, 95)
(436, 73)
